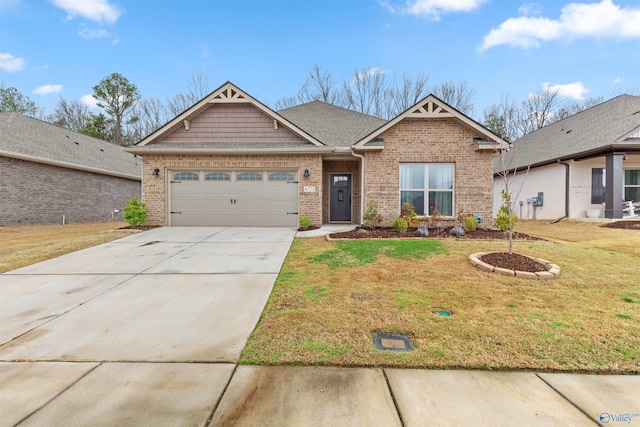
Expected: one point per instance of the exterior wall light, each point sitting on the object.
(155, 172)
(306, 173)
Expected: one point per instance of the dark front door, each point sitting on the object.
(340, 197)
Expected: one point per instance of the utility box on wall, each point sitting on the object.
(538, 201)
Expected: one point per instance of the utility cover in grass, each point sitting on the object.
(392, 342)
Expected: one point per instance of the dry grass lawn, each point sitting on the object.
(332, 297)
(25, 245)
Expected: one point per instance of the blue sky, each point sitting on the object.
(586, 48)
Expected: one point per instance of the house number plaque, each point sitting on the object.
(309, 189)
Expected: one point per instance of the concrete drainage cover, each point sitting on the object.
(392, 342)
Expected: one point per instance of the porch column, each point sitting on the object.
(613, 197)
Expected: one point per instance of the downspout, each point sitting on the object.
(566, 193)
(361, 157)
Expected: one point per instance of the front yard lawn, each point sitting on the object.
(332, 297)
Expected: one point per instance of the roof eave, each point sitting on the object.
(68, 165)
(145, 150)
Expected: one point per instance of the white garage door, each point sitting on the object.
(242, 198)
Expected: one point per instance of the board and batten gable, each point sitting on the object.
(431, 140)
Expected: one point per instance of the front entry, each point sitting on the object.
(340, 197)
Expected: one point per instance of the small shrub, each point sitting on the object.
(400, 225)
(371, 217)
(135, 212)
(305, 222)
(469, 223)
(457, 231)
(409, 214)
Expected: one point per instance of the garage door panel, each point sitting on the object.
(234, 203)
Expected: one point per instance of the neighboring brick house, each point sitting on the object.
(583, 166)
(230, 160)
(48, 173)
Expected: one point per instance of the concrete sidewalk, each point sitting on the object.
(147, 330)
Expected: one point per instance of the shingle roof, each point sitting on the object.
(597, 128)
(32, 139)
(332, 125)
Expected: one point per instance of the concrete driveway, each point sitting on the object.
(172, 294)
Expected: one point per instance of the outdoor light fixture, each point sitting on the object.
(155, 172)
(306, 173)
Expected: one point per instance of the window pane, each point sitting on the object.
(441, 176)
(411, 176)
(185, 176)
(632, 193)
(443, 200)
(281, 176)
(249, 176)
(340, 181)
(217, 176)
(416, 198)
(632, 177)
(597, 185)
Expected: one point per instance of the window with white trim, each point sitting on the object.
(632, 185)
(427, 186)
(186, 176)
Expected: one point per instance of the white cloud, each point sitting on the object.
(89, 101)
(577, 20)
(47, 89)
(618, 80)
(530, 9)
(10, 63)
(433, 9)
(94, 10)
(571, 90)
(92, 33)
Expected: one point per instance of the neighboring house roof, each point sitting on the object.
(30, 139)
(431, 107)
(613, 125)
(334, 126)
(228, 93)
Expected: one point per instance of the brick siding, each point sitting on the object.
(430, 141)
(154, 188)
(36, 193)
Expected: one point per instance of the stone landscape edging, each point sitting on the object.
(551, 270)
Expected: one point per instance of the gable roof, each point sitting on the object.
(431, 107)
(228, 93)
(26, 138)
(334, 126)
(611, 125)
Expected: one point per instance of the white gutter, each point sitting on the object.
(68, 165)
(361, 157)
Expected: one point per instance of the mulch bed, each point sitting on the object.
(512, 262)
(625, 225)
(434, 233)
(311, 227)
(144, 227)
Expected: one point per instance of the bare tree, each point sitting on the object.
(405, 93)
(502, 118)
(198, 85)
(538, 110)
(152, 114)
(457, 94)
(70, 114)
(365, 92)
